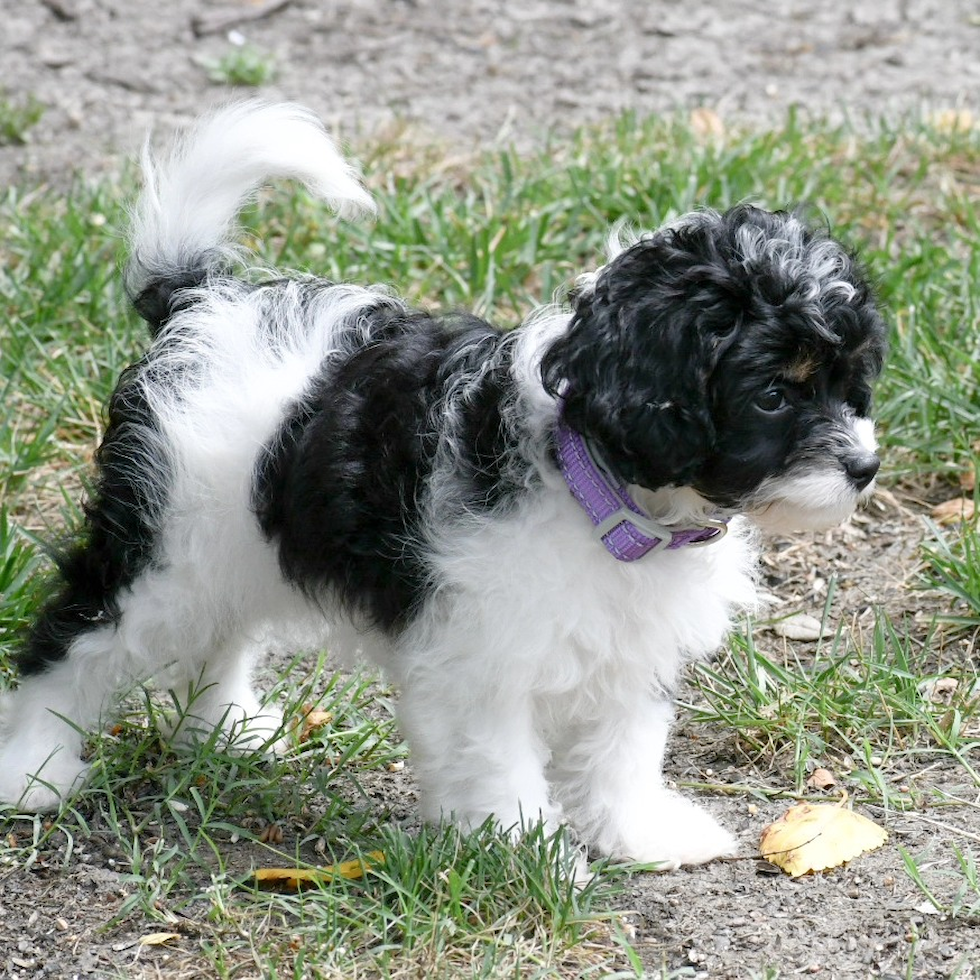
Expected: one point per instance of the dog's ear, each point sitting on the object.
(634, 368)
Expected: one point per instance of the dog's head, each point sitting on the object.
(734, 354)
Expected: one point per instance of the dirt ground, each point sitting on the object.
(472, 70)
(481, 72)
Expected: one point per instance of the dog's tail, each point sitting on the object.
(183, 229)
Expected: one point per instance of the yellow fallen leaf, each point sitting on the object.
(158, 938)
(313, 720)
(954, 511)
(813, 837)
(295, 878)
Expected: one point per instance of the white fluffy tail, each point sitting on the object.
(184, 223)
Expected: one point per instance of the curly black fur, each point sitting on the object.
(666, 356)
(119, 532)
(339, 488)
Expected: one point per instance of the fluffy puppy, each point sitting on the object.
(531, 531)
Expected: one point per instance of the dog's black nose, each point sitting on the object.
(862, 469)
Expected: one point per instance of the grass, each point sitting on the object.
(858, 702)
(501, 234)
(187, 827)
(242, 65)
(952, 564)
(17, 118)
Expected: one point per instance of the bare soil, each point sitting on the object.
(474, 71)
(485, 72)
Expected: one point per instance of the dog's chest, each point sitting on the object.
(545, 597)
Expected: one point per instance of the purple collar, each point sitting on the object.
(626, 531)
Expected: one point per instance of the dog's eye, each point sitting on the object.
(771, 400)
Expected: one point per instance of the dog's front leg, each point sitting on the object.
(608, 776)
(475, 753)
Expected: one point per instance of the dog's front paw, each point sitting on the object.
(675, 832)
(35, 784)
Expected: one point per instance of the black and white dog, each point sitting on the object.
(531, 531)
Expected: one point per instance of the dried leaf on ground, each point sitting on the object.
(954, 511)
(313, 720)
(158, 938)
(816, 837)
(953, 120)
(801, 626)
(292, 879)
(939, 690)
(706, 123)
(821, 779)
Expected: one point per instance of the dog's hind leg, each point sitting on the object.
(43, 723)
(168, 625)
